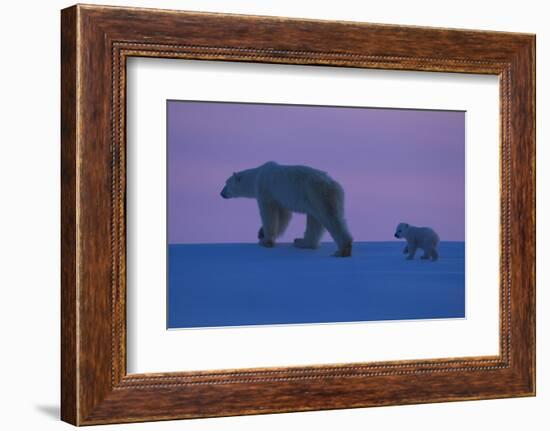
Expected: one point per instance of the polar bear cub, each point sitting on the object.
(281, 190)
(418, 237)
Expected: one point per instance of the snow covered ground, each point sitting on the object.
(211, 285)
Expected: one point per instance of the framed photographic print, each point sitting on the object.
(265, 215)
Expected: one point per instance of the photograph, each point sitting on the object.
(281, 214)
(306, 214)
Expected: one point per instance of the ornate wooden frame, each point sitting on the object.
(95, 43)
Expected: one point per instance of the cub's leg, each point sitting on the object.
(427, 254)
(435, 255)
(270, 220)
(312, 236)
(406, 249)
(412, 252)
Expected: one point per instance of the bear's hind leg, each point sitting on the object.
(313, 234)
(327, 203)
(338, 230)
(435, 255)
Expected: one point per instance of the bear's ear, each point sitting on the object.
(406, 224)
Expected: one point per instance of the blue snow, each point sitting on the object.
(214, 285)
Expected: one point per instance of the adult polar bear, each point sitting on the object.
(281, 190)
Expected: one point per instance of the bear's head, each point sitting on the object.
(401, 230)
(239, 185)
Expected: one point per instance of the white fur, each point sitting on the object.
(281, 190)
(424, 238)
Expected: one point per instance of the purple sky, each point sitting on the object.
(395, 165)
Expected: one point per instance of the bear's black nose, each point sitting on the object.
(395, 235)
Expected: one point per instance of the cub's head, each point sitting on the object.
(238, 185)
(401, 230)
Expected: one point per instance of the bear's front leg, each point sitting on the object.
(312, 236)
(267, 243)
(269, 216)
(261, 237)
(406, 249)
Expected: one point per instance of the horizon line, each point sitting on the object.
(290, 243)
